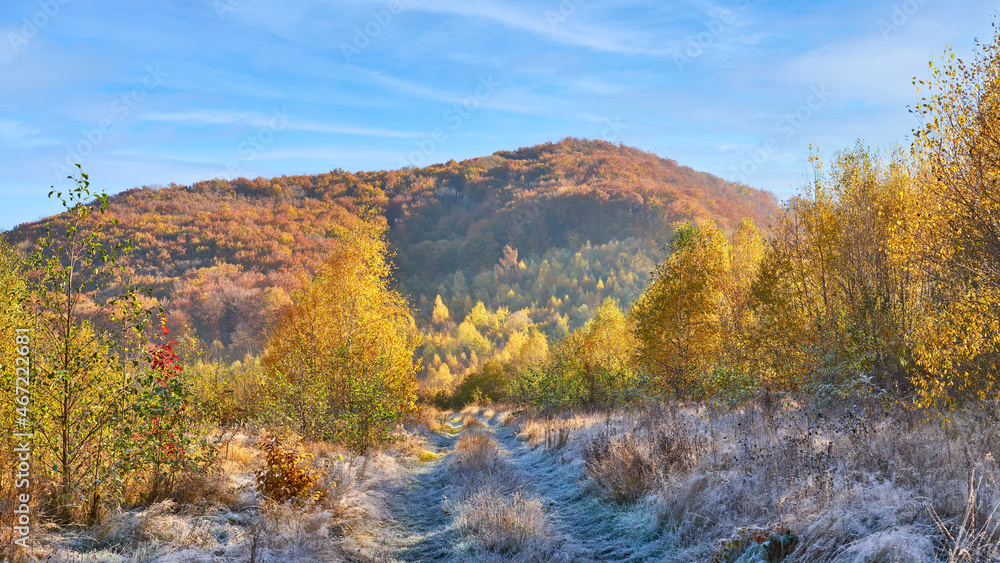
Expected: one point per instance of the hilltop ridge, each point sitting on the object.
(222, 257)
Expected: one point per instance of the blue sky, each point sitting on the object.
(161, 91)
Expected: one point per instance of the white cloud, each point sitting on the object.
(223, 117)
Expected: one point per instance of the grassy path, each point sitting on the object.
(427, 531)
(583, 528)
(603, 532)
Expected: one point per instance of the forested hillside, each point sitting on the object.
(584, 352)
(540, 236)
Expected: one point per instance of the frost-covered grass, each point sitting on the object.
(222, 517)
(506, 524)
(495, 510)
(853, 482)
(770, 481)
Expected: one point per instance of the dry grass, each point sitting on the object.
(493, 509)
(221, 517)
(428, 455)
(476, 451)
(532, 430)
(471, 421)
(856, 482)
(476, 462)
(626, 466)
(976, 537)
(550, 432)
(432, 419)
(320, 449)
(239, 456)
(506, 524)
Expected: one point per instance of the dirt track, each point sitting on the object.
(588, 528)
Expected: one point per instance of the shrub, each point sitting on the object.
(620, 466)
(89, 384)
(155, 428)
(286, 474)
(626, 467)
(769, 545)
(484, 387)
(228, 394)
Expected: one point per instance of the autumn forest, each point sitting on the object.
(578, 323)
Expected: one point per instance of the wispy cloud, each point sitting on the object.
(18, 134)
(548, 23)
(512, 99)
(253, 119)
(12, 129)
(329, 154)
(406, 87)
(215, 117)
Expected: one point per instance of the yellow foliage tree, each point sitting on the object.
(596, 359)
(467, 335)
(957, 147)
(340, 360)
(525, 349)
(678, 324)
(746, 250)
(478, 316)
(440, 315)
(12, 318)
(838, 293)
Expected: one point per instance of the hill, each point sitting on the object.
(539, 235)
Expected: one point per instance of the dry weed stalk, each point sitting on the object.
(972, 542)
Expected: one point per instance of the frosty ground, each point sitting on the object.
(771, 481)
